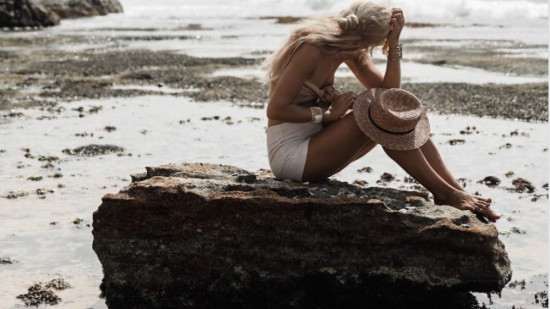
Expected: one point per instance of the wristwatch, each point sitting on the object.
(316, 114)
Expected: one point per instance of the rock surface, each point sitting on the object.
(25, 13)
(80, 8)
(216, 236)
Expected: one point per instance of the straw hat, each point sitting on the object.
(393, 118)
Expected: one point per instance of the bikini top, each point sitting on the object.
(310, 92)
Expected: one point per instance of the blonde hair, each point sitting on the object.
(363, 24)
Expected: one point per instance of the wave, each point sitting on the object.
(506, 11)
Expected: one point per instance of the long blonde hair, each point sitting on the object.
(362, 24)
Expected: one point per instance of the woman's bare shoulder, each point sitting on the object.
(307, 53)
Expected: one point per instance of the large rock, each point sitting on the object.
(80, 8)
(44, 13)
(216, 236)
(25, 13)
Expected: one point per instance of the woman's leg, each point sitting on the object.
(336, 144)
(436, 162)
(333, 148)
(414, 163)
(359, 154)
(433, 157)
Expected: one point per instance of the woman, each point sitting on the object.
(311, 136)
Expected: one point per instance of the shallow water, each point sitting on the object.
(41, 250)
(149, 128)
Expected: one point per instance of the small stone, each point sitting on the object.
(366, 169)
(521, 185)
(387, 177)
(5, 261)
(490, 181)
(409, 179)
(456, 141)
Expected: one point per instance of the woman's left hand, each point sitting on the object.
(397, 23)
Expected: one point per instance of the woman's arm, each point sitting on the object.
(364, 69)
(302, 63)
(392, 78)
(367, 73)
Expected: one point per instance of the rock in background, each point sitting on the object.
(45, 13)
(25, 13)
(80, 8)
(216, 236)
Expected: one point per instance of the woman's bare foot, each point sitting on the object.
(455, 184)
(460, 188)
(466, 201)
(489, 213)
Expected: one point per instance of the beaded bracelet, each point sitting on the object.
(396, 54)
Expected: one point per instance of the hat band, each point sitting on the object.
(387, 131)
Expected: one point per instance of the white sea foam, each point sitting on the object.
(508, 11)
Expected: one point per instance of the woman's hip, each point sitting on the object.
(287, 145)
(288, 131)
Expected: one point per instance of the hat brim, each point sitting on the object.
(408, 141)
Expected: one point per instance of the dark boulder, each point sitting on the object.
(216, 236)
(45, 13)
(81, 8)
(25, 13)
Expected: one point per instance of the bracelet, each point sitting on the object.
(397, 54)
(316, 114)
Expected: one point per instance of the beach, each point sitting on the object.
(87, 103)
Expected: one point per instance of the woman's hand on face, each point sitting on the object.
(339, 107)
(396, 25)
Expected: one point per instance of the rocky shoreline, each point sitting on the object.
(43, 78)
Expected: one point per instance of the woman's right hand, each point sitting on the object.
(339, 107)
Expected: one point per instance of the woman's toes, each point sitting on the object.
(479, 196)
(485, 204)
(481, 203)
(493, 216)
(488, 200)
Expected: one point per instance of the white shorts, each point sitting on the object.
(287, 145)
